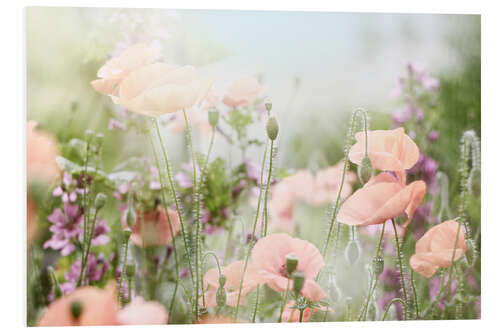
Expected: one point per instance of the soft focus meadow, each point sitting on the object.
(190, 167)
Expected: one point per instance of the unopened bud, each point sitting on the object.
(220, 297)
(365, 170)
(291, 263)
(76, 309)
(474, 182)
(470, 253)
(298, 281)
(272, 128)
(126, 233)
(222, 280)
(131, 217)
(269, 106)
(130, 271)
(352, 252)
(100, 200)
(378, 265)
(213, 117)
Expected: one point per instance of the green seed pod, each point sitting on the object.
(298, 279)
(365, 170)
(213, 117)
(131, 217)
(470, 253)
(126, 233)
(220, 297)
(269, 106)
(474, 182)
(272, 128)
(291, 263)
(76, 309)
(222, 280)
(100, 200)
(352, 252)
(378, 265)
(130, 271)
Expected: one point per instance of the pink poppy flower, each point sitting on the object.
(156, 227)
(435, 249)
(116, 69)
(41, 153)
(233, 273)
(291, 314)
(242, 92)
(388, 150)
(197, 118)
(140, 312)
(382, 198)
(99, 307)
(327, 184)
(269, 255)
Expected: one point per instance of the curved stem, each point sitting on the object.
(438, 296)
(394, 300)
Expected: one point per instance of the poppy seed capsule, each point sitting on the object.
(365, 170)
(76, 309)
(222, 280)
(100, 200)
(131, 217)
(474, 182)
(272, 128)
(126, 233)
(298, 279)
(269, 106)
(130, 271)
(378, 265)
(291, 263)
(470, 253)
(213, 117)
(352, 252)
(220, 297)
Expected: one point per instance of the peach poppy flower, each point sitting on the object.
(382, 198)
(388, 150)
(99, 307)
(435, 248)
(327, 184)
(197, 118)
(41, 153)
(156, 227)
(216, 320)
(291, 314)
(140, 312)
(233, 273)
(242, 92)
(159, 88)
(269, 255)
(32, 219)
(116, 69)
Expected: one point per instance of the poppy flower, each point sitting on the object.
(141, 312)
(291, 314)
(242, 92)
(435, 249)
(382, 198)
(98, 307)
(269, 255)
(156, 227)
(41, 153)
(233, 273)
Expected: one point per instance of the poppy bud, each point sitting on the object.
(269, 106)
(213, 117)
(365, 170)
(131, 217)
(291, 263)
(470, 253)
(126, 233)
(352, 252)
(298, 281)
(100, 200)
(222, 280)
(378, 265)
(474, 182)
(220, 297)
(89, 134)
(272, 128)
(76, 309)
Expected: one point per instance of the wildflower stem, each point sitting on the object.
(254, 314)
(283, 304)
(438, 296)
(252, 237)
(175, 197)
(394, 300)
(164, 201)
(124, 265)
(268, 182)
(401, 272)
(412, 281)
(196, 198)
(301, 315)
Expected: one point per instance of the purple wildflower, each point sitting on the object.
(435, 285)
(65, 226)
(183, 180)
(96, 268)
(433, 136)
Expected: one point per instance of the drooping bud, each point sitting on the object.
(76, 309)
(213, 117)
(269, 106)
(222, 280)
(352, 252)
(131, 217)
(470, 253)
(130, 271)
(378, 265)
(100, 200)
(291, 263)
(474, 182)
(365, 170)
(298, 279)
(126, 233)
(272, 128)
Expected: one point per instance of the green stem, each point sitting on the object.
(124, 265)
(254, 313)
(283, 304)
(412, 281)
(268, 183)
(394, 300)
(401, 272)
(438, 296)
(301, 314)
